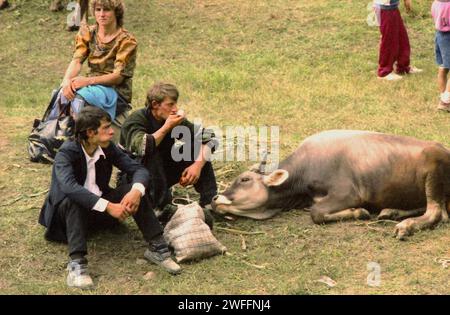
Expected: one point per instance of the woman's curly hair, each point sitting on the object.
(117, 5)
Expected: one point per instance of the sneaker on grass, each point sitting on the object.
(162, 258)
(444, 106)
(78, 276)
(414, 70)
(391, 77)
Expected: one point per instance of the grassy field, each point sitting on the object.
(305, 66)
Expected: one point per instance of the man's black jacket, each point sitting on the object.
(69, 174)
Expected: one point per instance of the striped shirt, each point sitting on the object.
(386, 4)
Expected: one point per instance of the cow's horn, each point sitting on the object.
(262, 165)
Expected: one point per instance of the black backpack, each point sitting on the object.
(48, 135)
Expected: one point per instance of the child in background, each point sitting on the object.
(394, 46)
(440, 11)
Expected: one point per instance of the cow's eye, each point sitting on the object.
(245, 179)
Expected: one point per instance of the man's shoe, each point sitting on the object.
(391, 77)
(414, 70)
(444, 106)
(163, 259)
(78, 276)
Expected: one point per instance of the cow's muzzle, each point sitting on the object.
(221, 199)
(218, 201)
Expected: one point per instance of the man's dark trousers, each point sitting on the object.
(165, 172)
(76, 221)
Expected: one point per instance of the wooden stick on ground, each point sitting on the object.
(234, 231)
(243, 261)
(243, 244)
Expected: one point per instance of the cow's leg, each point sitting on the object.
(397, 214)
(336, 207)
(347, 214)
(437, 164)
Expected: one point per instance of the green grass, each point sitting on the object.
(305, 66)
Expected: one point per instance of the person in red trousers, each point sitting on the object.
(394, 45)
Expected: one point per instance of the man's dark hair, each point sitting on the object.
(90, 117)
(159, 91)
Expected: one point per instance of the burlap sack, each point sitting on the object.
(190, 236)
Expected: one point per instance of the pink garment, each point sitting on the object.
(440, 11)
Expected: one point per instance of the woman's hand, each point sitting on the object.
(67, 90)
(71, 86)
(79, 82)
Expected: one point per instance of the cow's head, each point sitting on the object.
(249, 194)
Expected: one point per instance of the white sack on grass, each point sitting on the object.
(190, 236)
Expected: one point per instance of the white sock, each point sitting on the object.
(445, 97)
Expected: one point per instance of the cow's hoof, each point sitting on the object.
(404, 229)
(361, 214)
(388, 214)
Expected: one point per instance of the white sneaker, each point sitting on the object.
(78, 276)
(391, 77)
(444, 106)
(414, 70)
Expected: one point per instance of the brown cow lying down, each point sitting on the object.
(345, 174)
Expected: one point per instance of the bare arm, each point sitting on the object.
(72, 71)
(110, 79)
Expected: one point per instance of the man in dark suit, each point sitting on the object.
(80, 196)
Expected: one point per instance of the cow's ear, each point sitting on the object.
(276, 178)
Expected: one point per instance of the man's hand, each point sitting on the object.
(190, 175)
(131, 201)
(172, 121)
(118, 211)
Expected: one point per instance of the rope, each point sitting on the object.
(179, 201)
